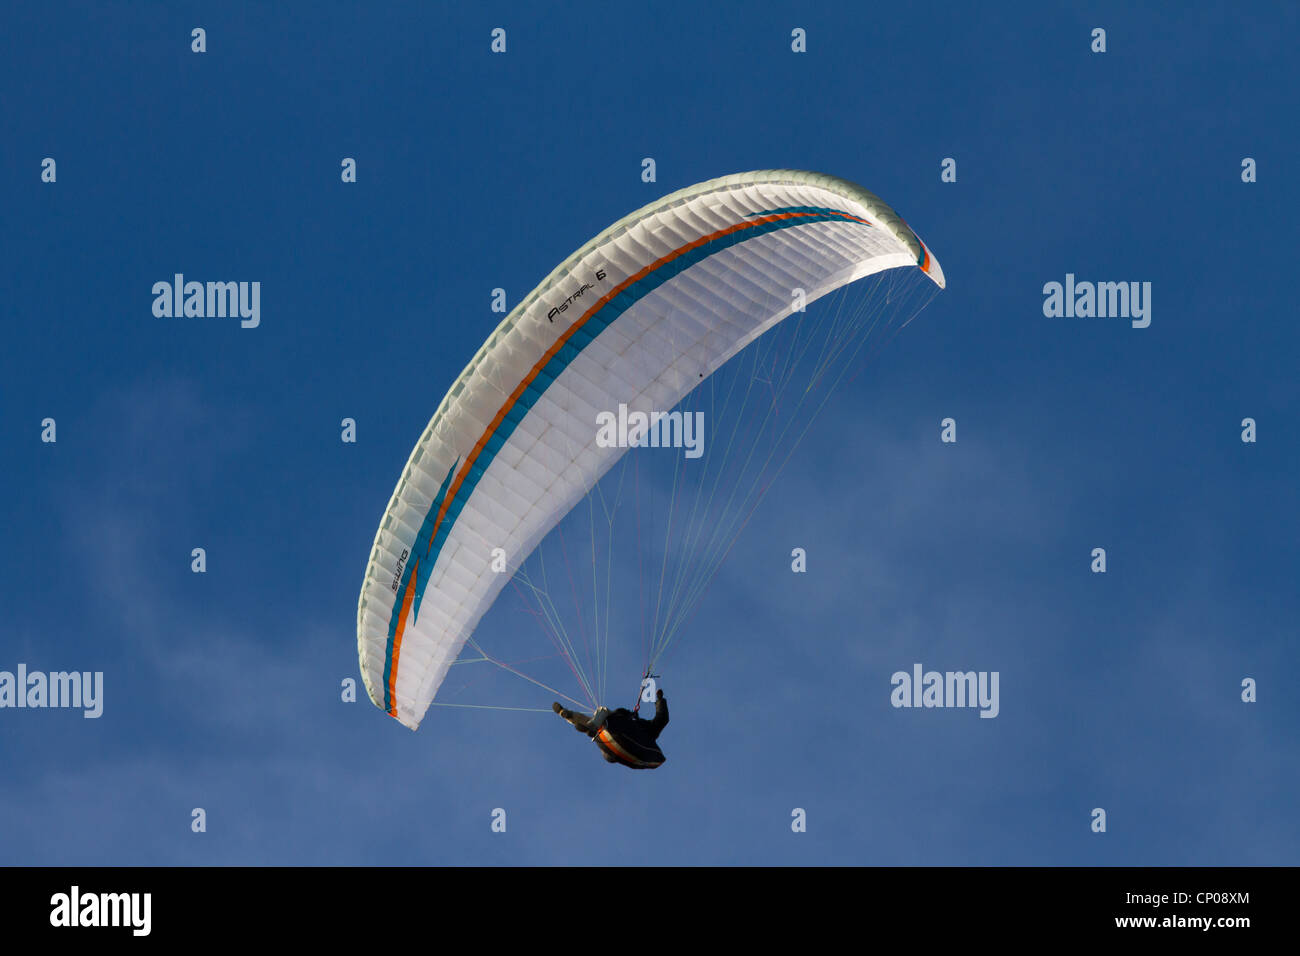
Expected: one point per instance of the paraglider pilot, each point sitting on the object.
(622, 735)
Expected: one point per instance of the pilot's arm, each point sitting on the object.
(660, 720)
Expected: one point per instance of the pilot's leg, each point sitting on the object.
(580, 721)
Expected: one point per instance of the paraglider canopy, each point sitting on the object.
(634, 320)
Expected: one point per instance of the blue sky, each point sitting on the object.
(476, 171)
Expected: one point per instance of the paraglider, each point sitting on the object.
(622, 735)
(635, 321)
